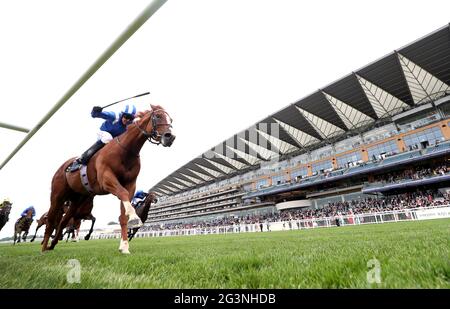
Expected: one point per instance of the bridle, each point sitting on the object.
(153, 135)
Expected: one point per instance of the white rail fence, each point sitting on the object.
(435, 212)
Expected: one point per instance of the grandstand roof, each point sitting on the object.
(412, 75)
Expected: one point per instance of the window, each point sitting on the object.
(302, 159)
(380, 133)
(423, 138)
(384, 148)
(317, 167)
(248, 187)
(323, 152)
(261, 183)
(301, 172)
(348, 144)
(276, 180)
(343, 161)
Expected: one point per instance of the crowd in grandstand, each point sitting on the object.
(331, 210)
(413, 173)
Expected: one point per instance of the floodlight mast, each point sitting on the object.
(123, 37)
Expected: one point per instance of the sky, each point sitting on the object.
(216, 66)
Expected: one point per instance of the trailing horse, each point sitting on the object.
(113, 169)
(44, 219)
(5, 209)
(142, 210)
(22, 225)
(74, 226)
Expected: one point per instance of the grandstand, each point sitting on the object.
(368, 138)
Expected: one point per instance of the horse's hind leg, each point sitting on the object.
(24, 237)
(63, 223)
(69, 215)
(55, 214)
(68, 234)
(132, 233)
(35, 233)
(88, 236)
(59, 194)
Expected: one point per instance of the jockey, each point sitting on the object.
(24, 213)
(112, 126)
(5, 202)
(138, 198)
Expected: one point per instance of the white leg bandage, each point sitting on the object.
(133, 219)
(129, 210)
(124, 247)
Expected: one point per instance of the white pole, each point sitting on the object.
(13, 127)
(123, 37)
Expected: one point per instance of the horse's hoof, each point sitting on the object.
(134, 222)
(124, 247)
(124, 251)
(86, 237)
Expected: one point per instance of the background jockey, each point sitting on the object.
(112, 127)
(139, 196)
(24, 213)
(5, 202)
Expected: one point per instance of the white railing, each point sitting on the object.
(423, 213)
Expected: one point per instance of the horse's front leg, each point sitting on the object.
(88, 236)
(123, 220)
(111, 184)
(68, 235)
(35, 233)
(132, 233)
(128, 217)
(24, 237)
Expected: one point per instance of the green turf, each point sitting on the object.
(411, 255)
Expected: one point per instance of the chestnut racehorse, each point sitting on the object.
(44, 219)
(142, 212)
(70, 226)
(113, 169)
(74, 226)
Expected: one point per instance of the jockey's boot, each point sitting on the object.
(86, 156)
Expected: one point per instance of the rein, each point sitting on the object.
(153, 135)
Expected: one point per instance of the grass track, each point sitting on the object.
(411, 254)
